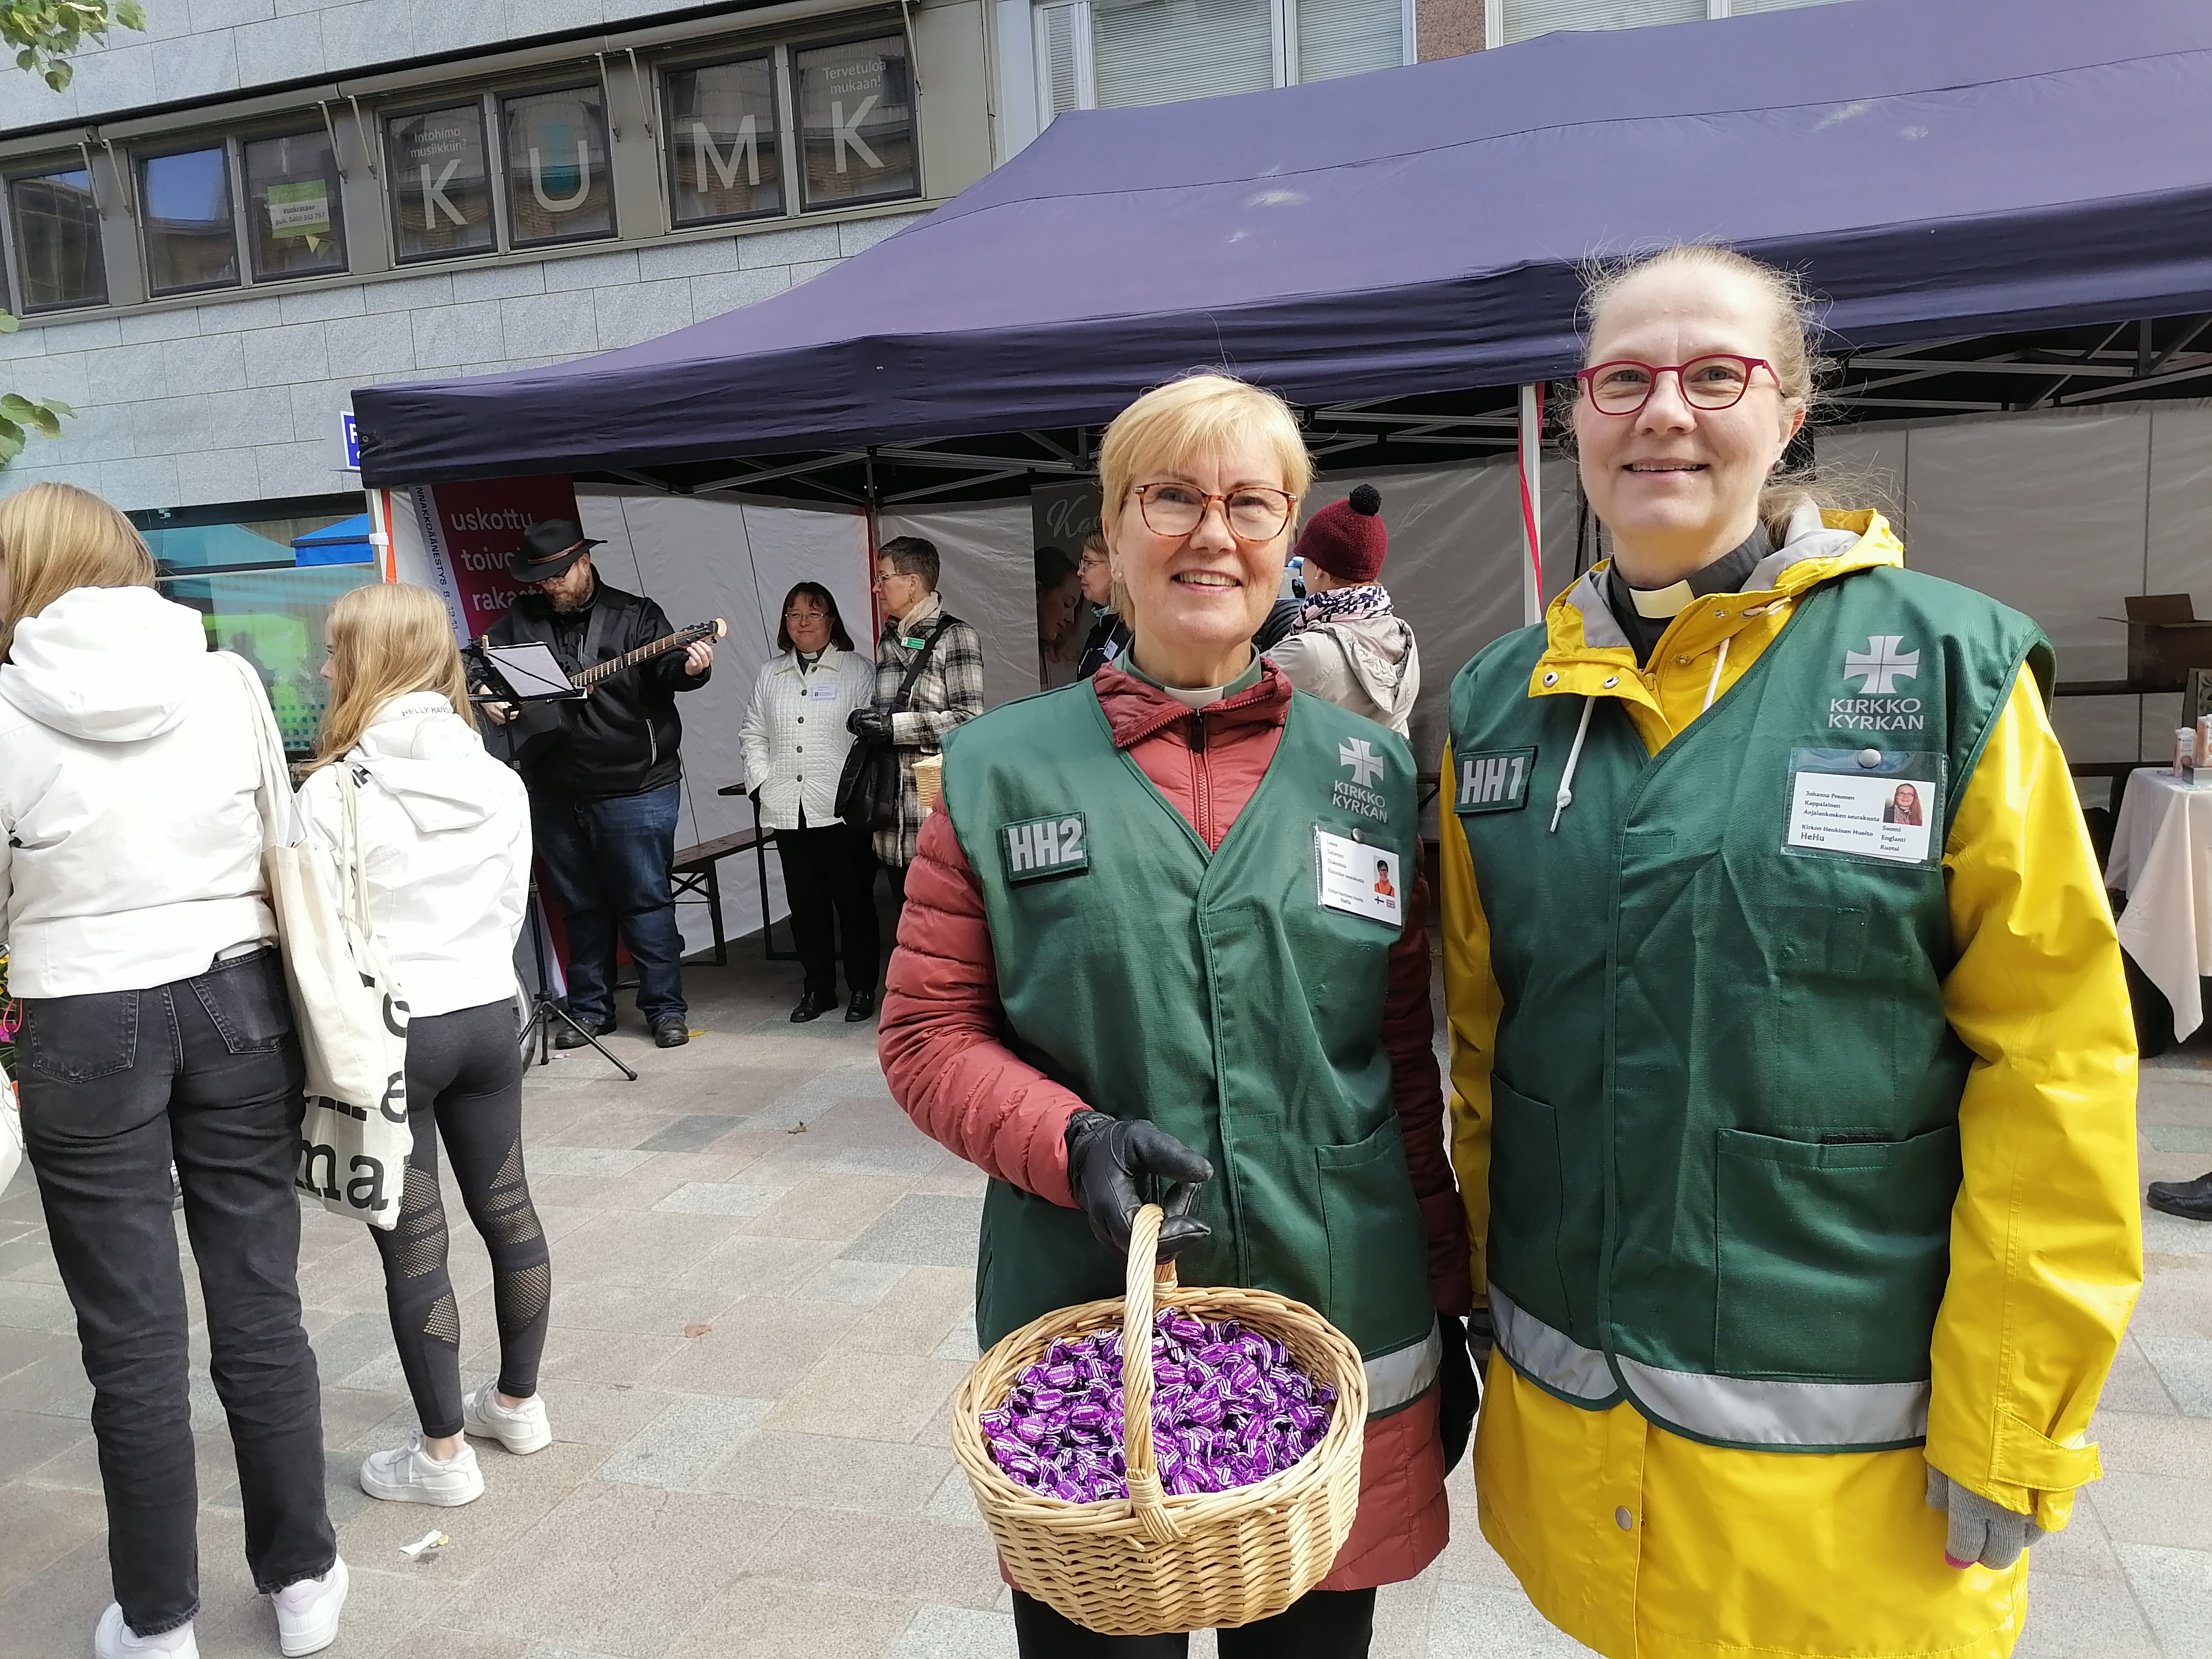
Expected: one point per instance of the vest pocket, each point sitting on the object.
(1831, 1257)
(1378, 1255)
(1527, 1204)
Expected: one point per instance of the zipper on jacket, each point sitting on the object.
(1201, 780)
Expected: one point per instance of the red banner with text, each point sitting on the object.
(473, 528)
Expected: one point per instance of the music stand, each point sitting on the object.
(521, 675)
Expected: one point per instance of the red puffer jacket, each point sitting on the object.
(962, 1086)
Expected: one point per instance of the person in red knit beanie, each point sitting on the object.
(1349, 646)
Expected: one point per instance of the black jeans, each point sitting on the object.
(830, 869)
(607, 863)
(1318, 1624)
(464, 1086)
(204, 1072)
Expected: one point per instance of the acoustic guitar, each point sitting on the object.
(536, 724)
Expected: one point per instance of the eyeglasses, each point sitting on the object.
(806, 616)
(887, 578)
(1254, 513)
(1717, 380)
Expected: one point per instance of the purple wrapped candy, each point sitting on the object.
(1229, 1408)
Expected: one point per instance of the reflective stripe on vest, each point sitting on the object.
(1740, 1410)
(1399, 1379)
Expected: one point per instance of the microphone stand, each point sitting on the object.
(545, 1008)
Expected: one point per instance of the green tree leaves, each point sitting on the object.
(46, 32)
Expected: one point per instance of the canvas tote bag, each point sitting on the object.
(355, 1138)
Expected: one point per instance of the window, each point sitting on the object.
(1349, 37)
(855, 124)
(1116, 53)
(292, 205)
(1523, 19)
(440, 186)
(724, 161)
(56, 220)
(1157, 52)
(192, 238)
(558, 184)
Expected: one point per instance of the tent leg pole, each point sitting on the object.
(1532, 518)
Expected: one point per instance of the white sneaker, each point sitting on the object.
(521, 1429)
(308, 1612)
(114, 1639)
(409, 1475)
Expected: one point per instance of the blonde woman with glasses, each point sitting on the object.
(1167, 928)
(443, 842)
(156, 1030)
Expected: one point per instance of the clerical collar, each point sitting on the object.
(1203, 696)
(1644, 613)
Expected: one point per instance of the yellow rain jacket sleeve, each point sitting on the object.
(2046, 1237)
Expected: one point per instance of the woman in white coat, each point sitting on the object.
(442, 834)
(156, 1030)
(795, 745)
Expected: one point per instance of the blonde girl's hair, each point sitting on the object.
(1171, 423)
(55, 538)
(1794, 333)
(386, 639)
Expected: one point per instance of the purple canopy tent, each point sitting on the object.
(1941, 169)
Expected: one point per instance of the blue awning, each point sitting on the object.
(345, 541)
(1938, 168)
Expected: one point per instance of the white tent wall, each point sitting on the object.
(2062, 515)
(700, 557)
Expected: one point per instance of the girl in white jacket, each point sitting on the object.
(444, 844)
(156, 1030)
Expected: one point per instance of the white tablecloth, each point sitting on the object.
(2161, 859)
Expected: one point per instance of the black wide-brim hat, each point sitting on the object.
(549, 548)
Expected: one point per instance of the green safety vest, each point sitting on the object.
(1725, 1141)
(1213, 994)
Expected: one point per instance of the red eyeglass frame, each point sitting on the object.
(1655, 370)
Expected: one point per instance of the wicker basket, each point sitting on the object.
(929, 781)
(1155, 1563)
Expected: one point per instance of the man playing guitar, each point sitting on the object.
(603, 778)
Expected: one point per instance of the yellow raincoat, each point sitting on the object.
(1645, 1544)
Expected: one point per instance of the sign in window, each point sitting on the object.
(191, 238)
(723, 159)
(557, 187)
(856, 123)
(292, 205)
(57, 253)
(440, 186)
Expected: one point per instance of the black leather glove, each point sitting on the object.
(1461, 1390)
(870, 724)
(1107, 1157)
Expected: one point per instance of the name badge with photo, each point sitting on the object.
(1866, 803)
(1493, 782)
(1045, 847)
(1357, 879)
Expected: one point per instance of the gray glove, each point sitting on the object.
(1980, 1530)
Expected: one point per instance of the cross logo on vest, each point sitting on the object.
(1045, 847)
(1878, 669)
(1881, 664)
(1352, 794)
(1359, 754)
(1495, 782)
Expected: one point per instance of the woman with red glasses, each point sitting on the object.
(1146, 946)
(1796, 1130)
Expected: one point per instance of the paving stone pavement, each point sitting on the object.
(762, 1282)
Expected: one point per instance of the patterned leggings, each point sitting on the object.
(464, 1086)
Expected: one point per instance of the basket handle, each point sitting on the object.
(1145, 1495)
